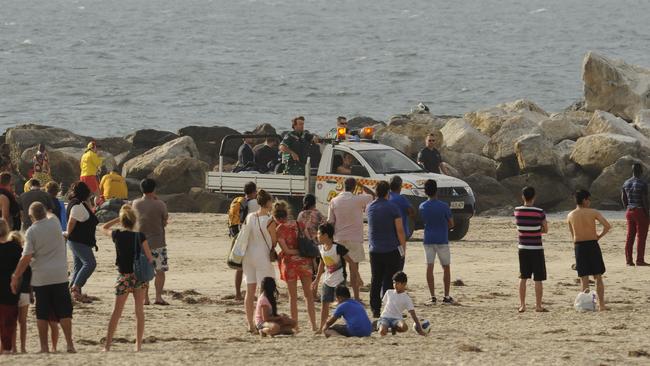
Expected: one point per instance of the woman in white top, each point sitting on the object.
(259, 229)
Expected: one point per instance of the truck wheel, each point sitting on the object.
(460, 229)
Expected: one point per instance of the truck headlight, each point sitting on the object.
(469, 191)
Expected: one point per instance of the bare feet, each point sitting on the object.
(71, 350)
(138, 347)
(106, 349)
(521, 309)
(541, 310)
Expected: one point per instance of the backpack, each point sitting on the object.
(237, 211)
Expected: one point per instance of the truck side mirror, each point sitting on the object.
(359, 171)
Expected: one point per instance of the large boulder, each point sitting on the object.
(562, 152)
(149, 138)
(409, 137)
(179, 175)
(357, 123)
(63, 167)
(114, 145)
(502, 144)
(642, 122)
(558, 127)
(604, 122)
(549, 191)
(596, 152)
(606, 189)
(490, 120)
(489, 192)
(196, 200)
(535, 154)
(21, 137)
(615, 86)
(467, 164)
(141, 166)
(208, 141)
(460, 136)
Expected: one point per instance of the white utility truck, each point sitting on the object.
(372, 163)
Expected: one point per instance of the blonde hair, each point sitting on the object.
(128, 218)
(17, 237)
(263, 197)
(280, 209)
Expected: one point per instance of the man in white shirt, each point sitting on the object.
(346, 214)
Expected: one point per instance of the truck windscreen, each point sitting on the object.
(390, 162)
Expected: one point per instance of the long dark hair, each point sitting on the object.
(79, 191)
(308, 202)
(270, 290)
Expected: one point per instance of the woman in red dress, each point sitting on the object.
(293, 267)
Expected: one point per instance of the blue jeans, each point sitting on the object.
(84, 263)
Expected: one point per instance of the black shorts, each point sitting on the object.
(53, 302)
(532, 264)
(589, 258)
(341, 329)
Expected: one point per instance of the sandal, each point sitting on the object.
(162, 303)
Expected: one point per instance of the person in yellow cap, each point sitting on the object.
(90, 165)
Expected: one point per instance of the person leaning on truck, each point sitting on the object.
(295, 147)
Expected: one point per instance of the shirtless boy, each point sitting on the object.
(589, 258)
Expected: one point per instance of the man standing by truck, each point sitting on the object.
(346, 214)
(429, 157)
(295, 147)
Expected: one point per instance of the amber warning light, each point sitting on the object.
(367, 133)
(341, 132)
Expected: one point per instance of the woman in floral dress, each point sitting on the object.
(293, 267)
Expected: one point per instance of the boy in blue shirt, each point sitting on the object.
(437, 219)
(357, 323)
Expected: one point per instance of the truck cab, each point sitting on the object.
(367, 161)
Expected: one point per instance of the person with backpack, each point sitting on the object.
(239, 209)
(127, 243)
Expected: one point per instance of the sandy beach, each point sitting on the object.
(204, 325)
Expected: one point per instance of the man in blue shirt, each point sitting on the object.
(387, 244)
(437, 219)
(357, 323)
(635, 199)
(405, 208)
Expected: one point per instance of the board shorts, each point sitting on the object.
(160, 259)
(53, 301)
(589, 258)
(389, 323)
(355, 251)
(532, 264)
(441, 250)
(328, 293)
(91, 182)
(126, 283)
(23, 300)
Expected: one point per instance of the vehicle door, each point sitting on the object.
(330, 181)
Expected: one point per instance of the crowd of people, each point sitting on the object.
(37, 228)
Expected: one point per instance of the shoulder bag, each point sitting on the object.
(142, 268)
(273, 255)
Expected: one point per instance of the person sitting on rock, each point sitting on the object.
(113, 186)
(245, 155)
(295, 147)
(41, 165)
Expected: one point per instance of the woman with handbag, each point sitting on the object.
(82, 224)
(259, 233)
(128, 244)
(293, 267)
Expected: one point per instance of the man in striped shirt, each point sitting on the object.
(531, 224)
(635, 199)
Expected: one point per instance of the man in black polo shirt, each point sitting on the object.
(245, 155)
(265, 154)
(429, 157)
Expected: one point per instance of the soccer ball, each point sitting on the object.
(426, 326)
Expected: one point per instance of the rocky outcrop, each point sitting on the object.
(606, 189)
(603, 122)
(549, 191)
(64, 168)
(409, 136)
(642, 122)
(558, 127)
(489, 192)
(148, 138)
(142, 166)
(460, 136)
(502, 144)
(467, 164)
(179, 175)
(490, 120)
(360, 122)
(196, 200)
(208, 141)
(596, 152)
(535, 154)
(562, 152)
(615, 86)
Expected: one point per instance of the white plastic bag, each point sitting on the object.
(585, 301)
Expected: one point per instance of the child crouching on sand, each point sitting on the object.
(396, 301)
(267, 320)
(357, 323)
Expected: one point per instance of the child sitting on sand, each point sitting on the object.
(266, 312)
(334, 257)
(396, 301)
(356, 324)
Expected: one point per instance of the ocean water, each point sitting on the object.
(106, 68)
